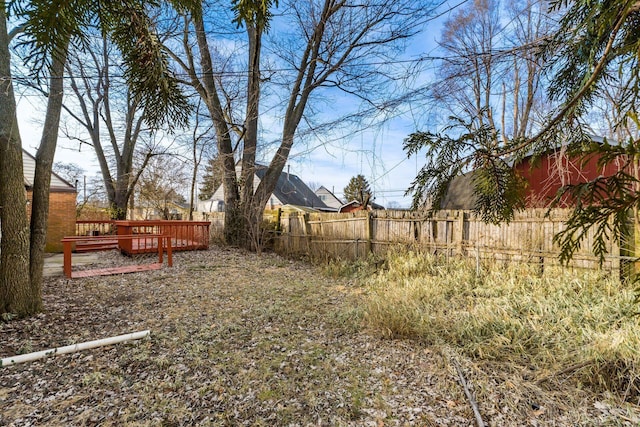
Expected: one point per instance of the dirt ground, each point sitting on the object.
(238, 339)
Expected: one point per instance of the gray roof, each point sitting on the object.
(460, 194)
(291, 190)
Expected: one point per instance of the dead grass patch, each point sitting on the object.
(565, 338)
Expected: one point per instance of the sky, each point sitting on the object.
(375, 152)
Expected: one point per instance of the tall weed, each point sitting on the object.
(551, 323)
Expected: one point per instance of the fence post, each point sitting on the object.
(307, 231)
(278, 219)
(369, 232)
(460, 234)
(616, 241)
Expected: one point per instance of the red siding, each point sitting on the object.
(555, 170)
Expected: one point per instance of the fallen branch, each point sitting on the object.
(567, 370)
(72, 348)
(470, 397)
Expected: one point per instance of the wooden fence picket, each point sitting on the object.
(527, 238)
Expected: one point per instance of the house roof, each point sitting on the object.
(356, 203)
(328, 198)
(551, 150)
(460, 193)
(29, 170)
(291, 190)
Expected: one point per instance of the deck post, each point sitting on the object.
(160, 242)
(66, 265)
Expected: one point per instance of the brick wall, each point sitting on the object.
(62, 218)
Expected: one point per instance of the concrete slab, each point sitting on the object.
(53, 262)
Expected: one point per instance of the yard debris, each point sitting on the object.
(468, 393)
(241, 339)
(30, 357)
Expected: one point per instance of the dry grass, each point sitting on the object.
(562, 330)
(236, 339)
(241, 339)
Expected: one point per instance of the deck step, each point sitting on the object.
(103, 245)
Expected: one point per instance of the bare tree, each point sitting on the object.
(102, 103)
(490, 75)
(47, 32)
(16, 295)
(89, 190)
(157, 189)
(199, 145)
(468, 74)
(327, 47)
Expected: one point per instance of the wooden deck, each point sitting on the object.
(133, 237)
(98, 241)
(185, 235)
(96, 245)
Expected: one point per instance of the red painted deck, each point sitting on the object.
(159, 246)
(134, 237)
(94, 246)
(115, 270)
(185, 235)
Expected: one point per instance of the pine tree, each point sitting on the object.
(594, 47)
(358, 189)
(212, 178)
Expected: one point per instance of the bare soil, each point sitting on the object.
(240, 339)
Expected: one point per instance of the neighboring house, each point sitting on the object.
(355, 205)
(174, 211)
(290, 190)
(328, 198)
(554, 170)
(543, 177)
(460, 194)
(62, 204)
(210, 205)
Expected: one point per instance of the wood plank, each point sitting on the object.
(115, 270)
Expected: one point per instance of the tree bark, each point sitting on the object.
(44, 163)
(16, 297)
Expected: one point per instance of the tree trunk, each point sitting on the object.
(15, 293)
(233, 215)
(120, 204)
(44, 163)
(251, 229)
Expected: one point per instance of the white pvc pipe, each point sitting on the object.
(72, 348)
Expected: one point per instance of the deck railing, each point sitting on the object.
(184, 235)
(95, 227)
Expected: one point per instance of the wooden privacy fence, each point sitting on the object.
(528, 238)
